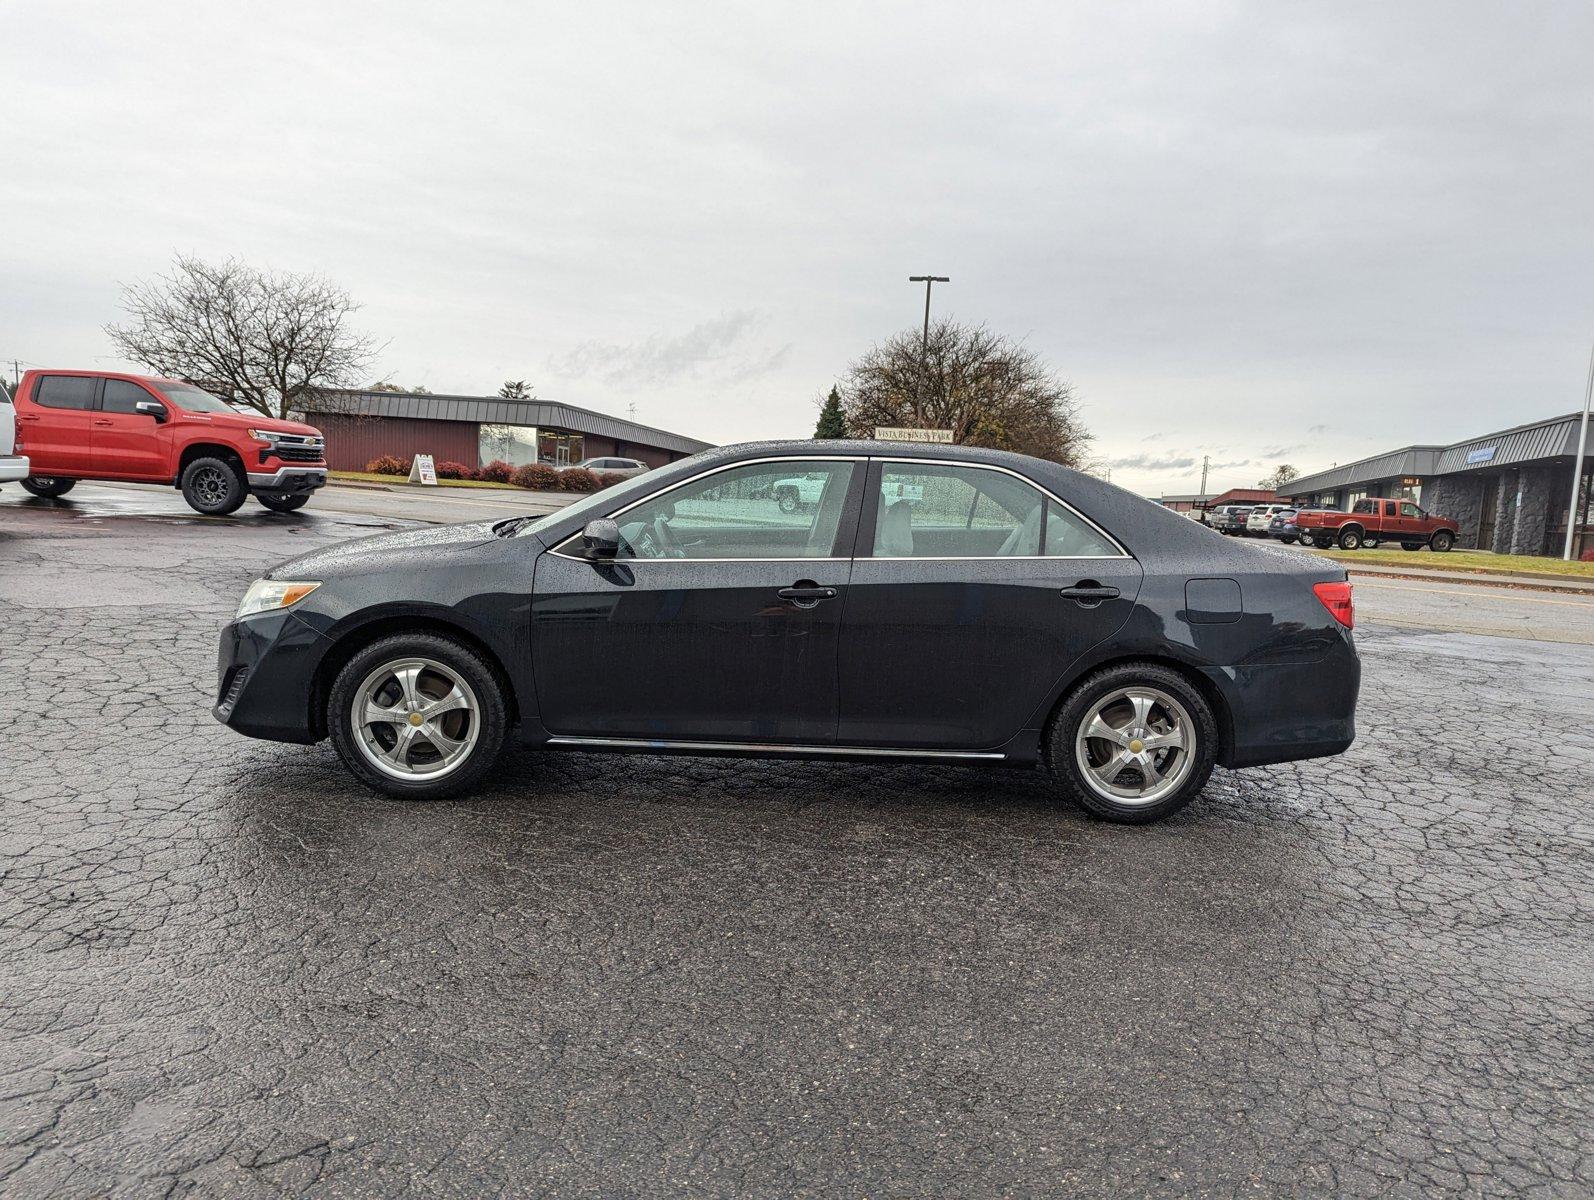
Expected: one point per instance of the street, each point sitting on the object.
(231, 971)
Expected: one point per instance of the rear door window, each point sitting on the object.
(65, 391)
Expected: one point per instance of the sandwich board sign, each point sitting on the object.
(892, 433)
(422, 470)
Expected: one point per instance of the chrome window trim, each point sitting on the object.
(783, 747)
(866, 458)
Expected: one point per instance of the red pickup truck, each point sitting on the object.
(76, 425)
(1377, 520)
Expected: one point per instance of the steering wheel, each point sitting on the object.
(669, 546)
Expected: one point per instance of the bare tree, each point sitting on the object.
(273, 342)
(1282, 474)
(987, 389)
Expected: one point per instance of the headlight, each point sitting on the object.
(264, 435)
(265, 595)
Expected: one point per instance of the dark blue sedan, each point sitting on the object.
(928, 602)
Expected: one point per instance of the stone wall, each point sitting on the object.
(1532, 516)
(1459, 497)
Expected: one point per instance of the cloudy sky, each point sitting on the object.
(1257, 232)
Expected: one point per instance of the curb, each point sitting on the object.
(1531, 583)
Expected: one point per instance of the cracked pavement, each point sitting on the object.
(225, 969)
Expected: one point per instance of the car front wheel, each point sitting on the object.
(1442, 541)
(47, 487)
(1133, 743)
(213, 486)
(417, 716)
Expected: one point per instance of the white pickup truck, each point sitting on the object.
(13, 466)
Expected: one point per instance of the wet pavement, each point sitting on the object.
(227, 970)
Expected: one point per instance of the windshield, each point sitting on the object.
(191, 399)
(593, 505)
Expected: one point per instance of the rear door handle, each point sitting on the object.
(807, 595)
(105, 422)
(1091, 593)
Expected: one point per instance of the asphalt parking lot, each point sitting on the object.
(227, 970)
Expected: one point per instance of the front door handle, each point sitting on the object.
(105, 422)
(805, 594)
(1088, 592)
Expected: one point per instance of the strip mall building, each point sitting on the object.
(475, 430)
(1510, 491)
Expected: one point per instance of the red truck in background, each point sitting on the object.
(1377, 520)
(76, 425)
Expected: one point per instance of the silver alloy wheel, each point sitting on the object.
(1135, 746)
(415, 719)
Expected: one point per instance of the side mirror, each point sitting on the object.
(600, 539)
(152, 408)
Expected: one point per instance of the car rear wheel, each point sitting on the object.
(213, 486)
(1350, 539)
(47, 487)
(283, 502)
(1442, 541)
(417, 716)
(1133, 743)
(1411, 545)
(788, 501)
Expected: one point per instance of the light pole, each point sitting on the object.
(929, 282)
(1577, 463)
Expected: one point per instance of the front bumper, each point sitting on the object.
(14, 467)
(265, 686)
(293, 480)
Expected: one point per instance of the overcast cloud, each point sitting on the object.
(1259, 230)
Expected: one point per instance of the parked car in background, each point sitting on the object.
(1283, 525)
(938, 603)
(1260, 517)
(797, 493)
(1375, 520)
(614, 466)
(1229, 518)
(107, 425)
(13, 466)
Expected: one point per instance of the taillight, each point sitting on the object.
(1337, 599)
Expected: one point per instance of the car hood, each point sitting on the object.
(408, 549)
(245, 421)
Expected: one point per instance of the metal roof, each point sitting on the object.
(1543, 439)
(1408, 460)
(496, 410)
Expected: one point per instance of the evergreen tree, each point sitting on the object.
(832, 421)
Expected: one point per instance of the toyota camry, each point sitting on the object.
(897, 601)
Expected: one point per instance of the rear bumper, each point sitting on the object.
(265, 683)
(293, 480)
(14, 467)
(1281, 712)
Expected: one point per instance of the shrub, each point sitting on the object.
(455, 470)
(536, 477)
(609, 478)
(387, 465)
(497, 471)
(579, 479)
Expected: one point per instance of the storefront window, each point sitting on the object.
(557, 449)
(513, 444)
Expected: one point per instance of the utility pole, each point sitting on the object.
(929, 282)
(1205, 459)
(1577, 463)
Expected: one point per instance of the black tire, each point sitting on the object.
(1411, 545)
(1322, 543)
(1350, 538)
(47, 487)
(493, 715)
(1442, 541)
(788, 501)
(214, 486)
(283, 502)
(1059, 743)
